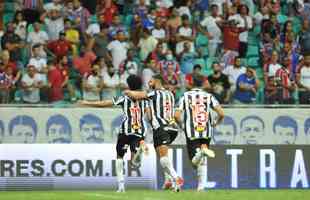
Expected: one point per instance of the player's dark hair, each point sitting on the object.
(134, 82)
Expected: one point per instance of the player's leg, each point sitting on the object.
(138, 148)
(121, 150)
(161, 139)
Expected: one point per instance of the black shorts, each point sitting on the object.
(192, 145)
(164, 135)
(125, 141)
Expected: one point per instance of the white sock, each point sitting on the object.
(202, 173)
(137, 158)
(197, 158)
(167, 167)
(120, 173)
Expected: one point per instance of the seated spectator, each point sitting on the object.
(55, 4)
(80, 16)
(92, 85)
(37, 36)
(158, 54)
(271, 91)
(169, 60)
(39, 63)
(219, 84)
(93, 27)
(303, 81)
(100, 42)
(196, 74)
(116, 26)
(233, 72)
(160, 33)
(66, 71)
(247, 86)
(118, 49)
(111, 83)
(185, 33)
(272, 67)
(286, 87)
(147, 44)
(304, 37)
(231, 36)
(31, 84)
(60, 47)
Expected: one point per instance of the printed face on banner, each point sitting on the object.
(285, 128)
(58, 129)
(23, 129)
(225, 132)
(252, 130)
(91, 129)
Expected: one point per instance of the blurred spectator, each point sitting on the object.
(65, 69)
(60, 47)
(304, 38)
(39, 63)
(185, 33)
(31, 84)
(56, 82)
(212, 25)
(6, 83)
(151, 68)
(147, 44)
(116, 26)
(303, 81)
(54, 23)
(92, 85)
(93, 27)
(100, 42)
(286, 87)
(53, 5)
(80, 16)
(231, 36)
(37, 36)
(118, 49)
(160, 33)
(187, 58)
(73, 36)
(111, 83)
(11, 66)
(84, 62)
(272, 67)
(172, 79)
(128, 67)
(169, 60)
(32, 9)
(107, 9)
(20, 25)
(158, 54)
(12, 42)
(196, 75)
(219, 84)
(233, 72)
(260, 15)
(247, 86)
(136, 30)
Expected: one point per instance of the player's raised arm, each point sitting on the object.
(136, 95)
(106, 103)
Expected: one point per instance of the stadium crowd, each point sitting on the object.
(249, 51)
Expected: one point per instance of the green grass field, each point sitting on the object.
(160, 195)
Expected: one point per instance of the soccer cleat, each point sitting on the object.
(120, 190)
(208, 152)
(179, 182)
(167, 185)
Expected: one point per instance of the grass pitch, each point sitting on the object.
(160, 195)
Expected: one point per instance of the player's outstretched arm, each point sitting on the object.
(106, 103)
(177, 116)
(220, 114)
(136, 95)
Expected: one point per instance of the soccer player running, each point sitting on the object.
(132, 130)
(161, 102)
(194, 112)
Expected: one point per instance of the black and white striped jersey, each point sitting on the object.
(196, 106)
(134, 122)
(162, 104)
